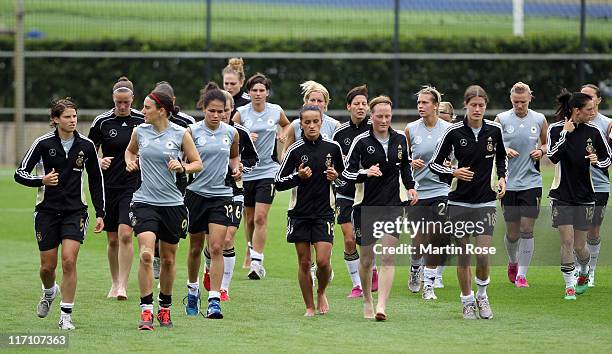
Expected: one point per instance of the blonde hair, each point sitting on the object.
(228, 97)
(310, 86)
(235, 66)
(520, 88)
(430, 90)
(379, 100)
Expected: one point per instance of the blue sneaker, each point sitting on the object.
(192, 308)
(214, 310)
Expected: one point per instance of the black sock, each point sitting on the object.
(229, 252)
(147, 300)
(164, 300)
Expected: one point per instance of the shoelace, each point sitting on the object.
(147, 316)
(188, 302)
(165, 315)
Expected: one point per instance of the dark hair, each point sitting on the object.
(123, 84)
(568, 101)
(594, 87)
(258, 78)
(59, 106)
(209, 93)
(357, 91)
(305, 109)
(165, 87)
(163, 100)
(474, 91)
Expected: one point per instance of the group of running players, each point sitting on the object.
(160, 175)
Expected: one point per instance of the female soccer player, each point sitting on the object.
(261, 118)
(575, 144)
(375, 162)
(233, 80)
(208, 197)
(601, 184)
(157, 206)
(525, 142)
(60, 216)
(111, 132)
(446, 111)
(476, 143)
(309, 168)
(357, 105)
(423, 136)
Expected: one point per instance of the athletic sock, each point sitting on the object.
(165, 301)
(257, 257)
(352, 264)
(429, 275)
(229, 260)
(594, 247)
(525, 252)
(440, 271)
(466, 299)
(214, 295)
(146, 303)
(50, 293)
(416, 264)
(66, 307)
(568, 274)
(207, 259)
(481, 293)
(193, 288)
(511, 248)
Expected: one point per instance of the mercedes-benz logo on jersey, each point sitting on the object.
(347, 141)
(304, 158)
(534, 130)
(463, 142)
(270, 122)
(112, 133)
(370, 149)
(52, 152)
(509, 129)
(324, 135)
(169, 145)
(418, 140)
(226, 140)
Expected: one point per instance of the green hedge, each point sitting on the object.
(89, 81)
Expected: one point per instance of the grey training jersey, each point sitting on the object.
(158, 185)
(522, 135)
(264, 125)
(327, 128)
(601, 181)
(214, 149)
(423, 142)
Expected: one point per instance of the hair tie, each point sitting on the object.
(154, 97)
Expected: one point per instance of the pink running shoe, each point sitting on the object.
(224, 295)
(512, 271)
(374, 281)
(521, 282)
(356, 292)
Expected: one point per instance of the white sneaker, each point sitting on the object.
(257, 271)
(44, 305)
(438, 284)
(65, 322)
(156, 267)
(428, 293)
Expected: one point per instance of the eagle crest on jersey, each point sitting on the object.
(589, 147)
(399, 152)
(80, 159)
(328, 160)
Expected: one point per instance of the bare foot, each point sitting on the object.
(322, 304)
(368, 310)
(309, 313)
(112, 293)
(122, 295)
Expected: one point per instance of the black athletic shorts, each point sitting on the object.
(601, 201)
(517, 204)
(369, 226)
(204, 211)
(117, 206)
(344, 207)
(53, 227)
(580, 216)
(169, 223)
(471, 221)
(310, 230)
(236, 213)
(430, 209)
(258, 191)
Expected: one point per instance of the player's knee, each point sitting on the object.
(146, 256)
(47, 269)
(113, 242)
(167, 262)
(68, 264)
(215, 248)
(366, 261)
(260, 219)
(323, 263)
(125, 238)
(305, 263)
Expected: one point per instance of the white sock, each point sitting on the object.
(525, 251)
(50, 293)
(207, 259)
(594, 251)
(229, 260)
(192, 288)
(144, 307)
(429, 275)
(214, 294)
(467, 298)
(66, 308)
(352, 264)
(440, 271)
(481, 293)
(568, 275)
(257, 257)
(511, 248)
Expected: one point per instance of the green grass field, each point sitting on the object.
(266, 316)
(155, 20)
